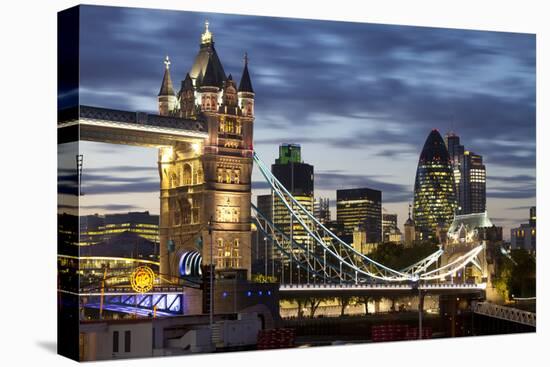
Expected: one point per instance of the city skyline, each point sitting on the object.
(399, 107)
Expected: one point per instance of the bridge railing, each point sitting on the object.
(505, 313)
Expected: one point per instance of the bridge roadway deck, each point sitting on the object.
(128, 128)
(380, 289)
(327, 289)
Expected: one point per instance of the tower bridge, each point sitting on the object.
(204, 135)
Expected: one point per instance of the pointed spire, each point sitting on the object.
(246, 84)
(210, 77)
(409, 221)
(187, 82)
(207, 36)
(167, 89)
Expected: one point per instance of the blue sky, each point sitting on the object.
(360, 99)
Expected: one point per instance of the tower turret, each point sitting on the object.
(246, 92)
(229, 98)
(166, 97)
(410, 230)
(187, 98)
(210, 87)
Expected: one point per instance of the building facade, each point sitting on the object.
(360, 206)
(97, 228)
(297, 177)
(525, 236)
(390, 230)
(206, 188)
(410, 230)
(321, 209)
(434, 189)
(470, 177)
(263, 251)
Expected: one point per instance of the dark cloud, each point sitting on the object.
(511, 187)
(125, 188)
(111, 207)
(337, 180)
(356, 85)
(114, 179)
(512, 192)
(523, 179)
(88, 179)
(523, 208)
(122, 169)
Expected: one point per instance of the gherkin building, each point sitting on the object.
(434, 190)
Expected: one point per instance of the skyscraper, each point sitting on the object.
(469, 175)
(434, 191)
(321, 209)
(360, 206)
(263, 251)
(389, 225)
(297, 177)
(471, 188)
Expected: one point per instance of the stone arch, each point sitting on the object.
(185, 211)
(187, 174)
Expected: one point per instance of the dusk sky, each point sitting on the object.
(359, 98)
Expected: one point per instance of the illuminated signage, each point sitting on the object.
(142, 279)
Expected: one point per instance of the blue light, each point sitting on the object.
(269, 293)
(224, 294)
(249, 293)
(260, 293)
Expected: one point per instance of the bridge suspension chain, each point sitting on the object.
(345, 263)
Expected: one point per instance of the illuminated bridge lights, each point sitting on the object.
(166, 304)
(331, 260)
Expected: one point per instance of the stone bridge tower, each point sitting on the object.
(207, 185)
(465, 233)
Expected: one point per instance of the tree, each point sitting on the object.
(397, 256)
(345, 301)
(516, 276)
(365, 301)
(313, 305)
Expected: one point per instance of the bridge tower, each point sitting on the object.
(207, 185)
(465, 233)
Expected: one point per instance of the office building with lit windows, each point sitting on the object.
(471, 188)
(434, 190)
(297, 177)
(469, 175)
(525, 236)
(321, 209)
(262, 246)
(390, 230)
(97, 228)
(360, 206)
(119, 255)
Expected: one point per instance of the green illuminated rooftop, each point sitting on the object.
(289, 153)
